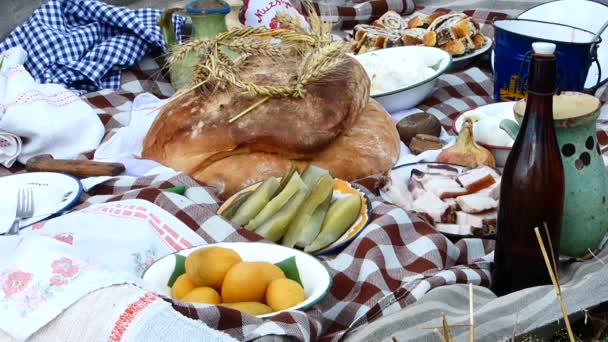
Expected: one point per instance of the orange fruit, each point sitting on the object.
(247, 281)
(208, 266)
(182, 286)
(283, 294)
(204, 294)
(252, 308)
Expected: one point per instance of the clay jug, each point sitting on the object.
(208, 20)
(585, 215)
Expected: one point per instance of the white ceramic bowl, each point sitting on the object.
(315, 278)
(409, 96)
(496, 112)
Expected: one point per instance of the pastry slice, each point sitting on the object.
(415, 22)
(412, 36)
(478, 41)
(464, 28)
(455, 47)
(430, 38)
(429, 19)
(391, 20)
(443, 27)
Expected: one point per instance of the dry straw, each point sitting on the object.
(552, 268)
(471, 319)
(214, 69)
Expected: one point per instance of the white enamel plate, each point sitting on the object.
(53, 194)
(315, 278)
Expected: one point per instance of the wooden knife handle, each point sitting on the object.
(78, 168)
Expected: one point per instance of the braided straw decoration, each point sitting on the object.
(218, 71)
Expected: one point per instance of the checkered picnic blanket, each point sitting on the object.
(393, 263)
(345, 14)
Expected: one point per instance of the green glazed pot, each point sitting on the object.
(208, 20)
(585, 217)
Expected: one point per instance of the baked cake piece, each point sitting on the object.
(415, 22)
(455, 47)
(413, 36)
(391, 20)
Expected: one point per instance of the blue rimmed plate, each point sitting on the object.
(53, 193)
(341, 189)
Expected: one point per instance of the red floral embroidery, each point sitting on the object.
(58, 280)
(16, 282)
(65, 267)
(38, 225)
(67, 238)
(127, 317)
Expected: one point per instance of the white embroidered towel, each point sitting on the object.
(53, 264)
(47, 117)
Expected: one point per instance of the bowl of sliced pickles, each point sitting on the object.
(311, 211)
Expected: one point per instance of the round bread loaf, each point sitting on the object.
(369, 147)
(332, 126)
(193, 132)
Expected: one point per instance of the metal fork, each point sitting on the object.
(25, 209)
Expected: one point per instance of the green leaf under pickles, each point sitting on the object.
(290, 268)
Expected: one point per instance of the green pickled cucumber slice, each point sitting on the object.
(285, 179)
(276, 226)
(322, 189)
(313, 227)
(278, 202)
(312, 174)
(340, 216)
(229, 212)
(256, 202)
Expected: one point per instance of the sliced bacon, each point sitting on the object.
(432, 205)
(441, 169)
(456, 229)
(476, 179)
(476, 203)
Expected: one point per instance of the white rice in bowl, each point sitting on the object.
(399, 72)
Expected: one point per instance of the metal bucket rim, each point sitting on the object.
(590, 43)
(544, 3)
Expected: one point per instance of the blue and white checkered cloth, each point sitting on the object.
(85, 44)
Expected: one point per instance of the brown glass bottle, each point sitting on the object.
(532, 188)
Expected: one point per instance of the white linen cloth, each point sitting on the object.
(134, 315)
(48, 118)
(128, 141)
(406, 156)
(54, 263)
(126, 144)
